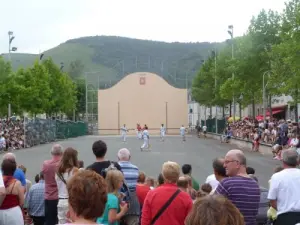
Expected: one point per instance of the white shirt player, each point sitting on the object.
(146, 140)
(182, 131)
(162, 131)
(145, 134)
(124, 132)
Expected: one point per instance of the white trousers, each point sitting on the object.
(62, 210)
(145, 144)
(124, 137)
(12, 216)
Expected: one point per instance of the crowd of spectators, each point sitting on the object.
(118, 193)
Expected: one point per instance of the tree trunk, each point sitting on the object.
(230, 114)
(253, 108)
(296, 105)
(240, 108)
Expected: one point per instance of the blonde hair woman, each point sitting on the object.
(114, 208)
(66, 169)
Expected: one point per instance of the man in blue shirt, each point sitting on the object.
(35, 202)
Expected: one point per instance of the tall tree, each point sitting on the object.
(76, 69)
(36, 90)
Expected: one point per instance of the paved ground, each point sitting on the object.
(198, 152)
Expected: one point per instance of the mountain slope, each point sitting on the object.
(107, 58)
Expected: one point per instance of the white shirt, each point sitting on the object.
(204, 128)
(211, 179)
(145, 134)
(182, 130)
(61, 186)
(1, 180)
(162, 129)
(284, 187)
(123, 130)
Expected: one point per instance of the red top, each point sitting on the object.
(49, 169)
(177, 211)
(10, 199)
(139, 128)
(141, 192)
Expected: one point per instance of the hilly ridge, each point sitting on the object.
(107, 59)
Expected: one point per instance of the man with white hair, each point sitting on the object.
(18, 174)
(51, 192)
(239, 188)
(131, 174)
(284, 190)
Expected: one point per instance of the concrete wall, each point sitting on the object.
(143, 98)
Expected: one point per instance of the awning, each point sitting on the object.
(274, 111)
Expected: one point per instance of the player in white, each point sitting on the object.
(145, 136)
(204, 128)
(124, 132)
(162, 132)
(182, 132)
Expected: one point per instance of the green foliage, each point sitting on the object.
(270, 47)
(41, 88)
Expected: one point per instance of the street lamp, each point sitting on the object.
(10, 49)
(230, 32)
(61, 66)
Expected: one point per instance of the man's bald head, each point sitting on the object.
(10, 156)
(237, 155)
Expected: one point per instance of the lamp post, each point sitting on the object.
(230, 32)
(11, 37)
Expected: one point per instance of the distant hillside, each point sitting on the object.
(107, 58)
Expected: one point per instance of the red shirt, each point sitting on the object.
(141, 192)
(177, 211)
(49, 169)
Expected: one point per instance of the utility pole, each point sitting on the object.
(10, 49)
(230, 32)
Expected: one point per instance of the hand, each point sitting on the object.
(124, 207)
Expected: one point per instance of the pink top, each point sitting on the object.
(49, 169)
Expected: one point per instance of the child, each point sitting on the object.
(114, 208)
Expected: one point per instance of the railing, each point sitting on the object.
(41, 131)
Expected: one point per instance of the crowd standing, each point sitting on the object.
(116, 192)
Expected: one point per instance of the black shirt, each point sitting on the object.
(98, 167)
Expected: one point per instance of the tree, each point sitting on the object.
(76, 69)
(286, 64)
(63, 95)
(34, 88)
(80, 91)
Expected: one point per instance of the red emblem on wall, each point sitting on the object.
(142, 80)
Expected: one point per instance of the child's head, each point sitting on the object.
(114, 179)
(206, 188)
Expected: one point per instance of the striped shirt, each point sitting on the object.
(131, 174)
(244, 193)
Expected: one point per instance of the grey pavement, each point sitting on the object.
(197, 152)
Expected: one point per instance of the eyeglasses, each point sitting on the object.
(229, 161)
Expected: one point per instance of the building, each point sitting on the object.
(144, 98)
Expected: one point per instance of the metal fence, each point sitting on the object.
(40, 131)
(211, 125)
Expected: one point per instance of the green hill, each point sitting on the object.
(108, 59)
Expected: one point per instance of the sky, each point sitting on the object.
(39, 25)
